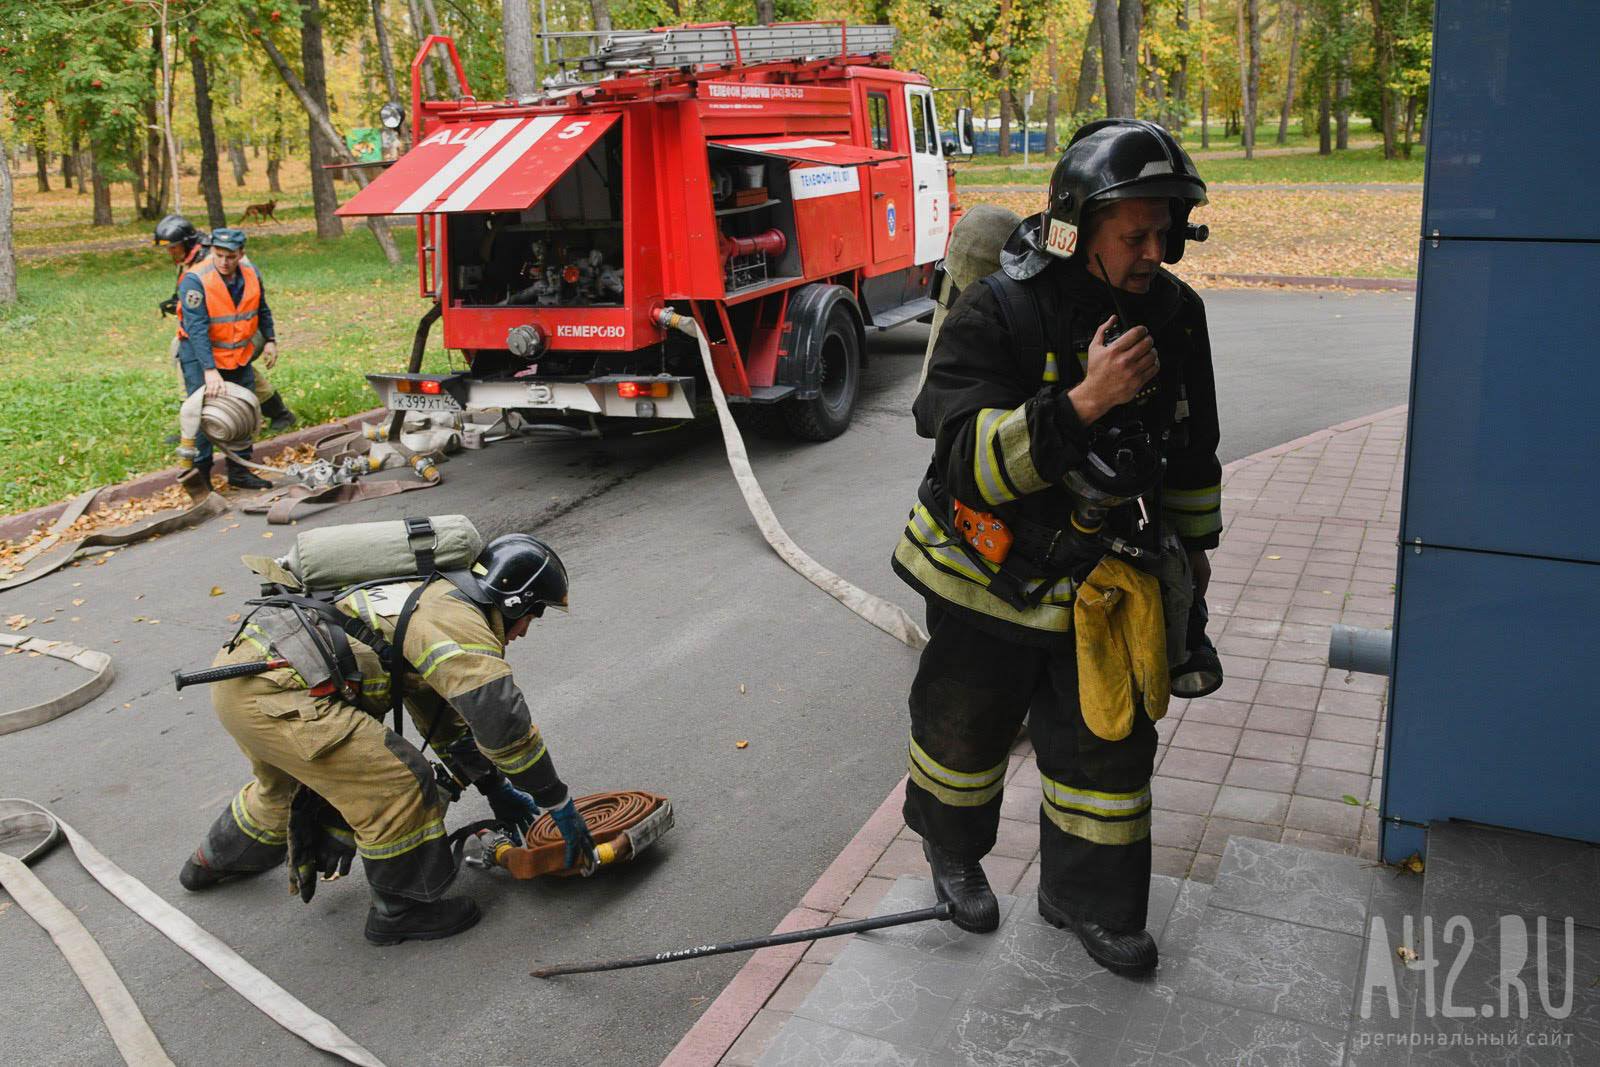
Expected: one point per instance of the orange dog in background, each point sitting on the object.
(262, 212)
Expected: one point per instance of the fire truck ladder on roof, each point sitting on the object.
(720, 46)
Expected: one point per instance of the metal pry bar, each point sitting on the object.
(939, 911)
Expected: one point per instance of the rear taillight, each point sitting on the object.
(643, 390)
(429, 386)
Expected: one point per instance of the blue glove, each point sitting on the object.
(576, 832)
(511, 806)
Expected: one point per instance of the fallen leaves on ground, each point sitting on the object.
(1356, 233)
(135, 510)
(741, 744)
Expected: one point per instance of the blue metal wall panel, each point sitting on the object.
(1505, 419)
(1512, 149)
(1493, 695)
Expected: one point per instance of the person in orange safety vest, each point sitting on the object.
(223, 304)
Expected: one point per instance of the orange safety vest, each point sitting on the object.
(233, 326)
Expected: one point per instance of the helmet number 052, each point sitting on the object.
(1062, 239)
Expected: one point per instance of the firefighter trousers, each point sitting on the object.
(970, 696)
(378, 781)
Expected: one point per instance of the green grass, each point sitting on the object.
(87, 391)
(1353, 165)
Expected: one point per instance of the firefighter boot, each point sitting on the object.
(394, 919)
(1121, 953)
(277, 413)
(240, 477)
(228, 854)
(965, 887)
(1201, 674)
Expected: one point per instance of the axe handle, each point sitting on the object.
(223, 673)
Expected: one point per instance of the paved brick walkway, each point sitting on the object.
(1287, 750)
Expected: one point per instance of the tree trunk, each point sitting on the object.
(600, 13)
(380, 29)
(71, 160)
(1131, 18)
(41, 159)
(1294, 68)
(1411, 124)
(435, 26)
(326, 145)
(1180, 77)
(275, 144)
(1325, 116)
(516, 22)
(1088, 68)
(1117, 105)
(8, 258)
(419, 30)
(320, 121)
(155, 186)
(765, 12)
(238, 161)
(1249, 74)
(102, 192)
(1341, 114)
(1052, 99)
(136, 165)
(1205, 86)
(1383, 53)
(1005, 120)
(210, 183)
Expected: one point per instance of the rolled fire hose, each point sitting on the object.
(890, 618)
(623, 824)
(132, 1034)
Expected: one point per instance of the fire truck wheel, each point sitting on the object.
(827, 415)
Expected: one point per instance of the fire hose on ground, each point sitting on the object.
(130, 1031)
(890, 618)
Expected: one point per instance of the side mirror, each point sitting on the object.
(964, 135)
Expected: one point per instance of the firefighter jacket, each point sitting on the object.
(1005, 435)
(457, 684)
(219, 317)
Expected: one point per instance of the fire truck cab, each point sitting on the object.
(783, 185)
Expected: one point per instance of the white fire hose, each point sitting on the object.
(890, 618)
(130, 1032)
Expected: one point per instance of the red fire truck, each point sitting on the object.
(783, 185)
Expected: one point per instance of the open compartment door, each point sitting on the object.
(487, 165)
(809, 150)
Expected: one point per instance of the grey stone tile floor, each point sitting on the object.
(1282, 962)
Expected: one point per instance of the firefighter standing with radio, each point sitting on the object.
(385, 801)
(1059, 532)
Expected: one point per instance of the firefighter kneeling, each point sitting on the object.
(1059, 538)
(332, 782)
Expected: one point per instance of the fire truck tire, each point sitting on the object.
(827, 415)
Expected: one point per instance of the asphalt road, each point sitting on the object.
(677, 602)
